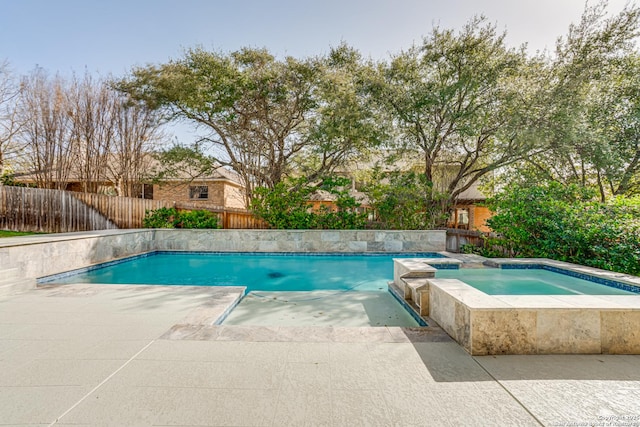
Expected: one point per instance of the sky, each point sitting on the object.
(110, 37)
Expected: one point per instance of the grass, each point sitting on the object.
(5, 233)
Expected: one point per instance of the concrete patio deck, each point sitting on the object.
(137, 355)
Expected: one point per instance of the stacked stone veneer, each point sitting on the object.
(37, 256)
(301, 240)
(520, 324)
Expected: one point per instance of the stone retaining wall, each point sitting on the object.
(301, 240)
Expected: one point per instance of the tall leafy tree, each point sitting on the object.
(588, 106)
(614, 111)
(456, 101)
(261, 115)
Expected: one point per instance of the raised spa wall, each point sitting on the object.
(522, 324)
(35, 256)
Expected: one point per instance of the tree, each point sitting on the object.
(566, 223)
(457, 101)
(261, 115)
(9, 123)
(588, 108)
(347, 125)
(91, 110)
(616, 113)
(405, 200)
(137, 136)
(83, 129)
(44, 107)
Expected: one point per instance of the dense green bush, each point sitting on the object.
(173, 218)
(287, 206)
(160, 218)
(566, 223)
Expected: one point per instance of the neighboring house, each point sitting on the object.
(222, 189)
(468, 213)
(71, 183)
(219, 190)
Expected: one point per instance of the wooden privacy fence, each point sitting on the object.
(57, 211)
(229, 217)
(125, 212)
(51, 211)
(457, 237)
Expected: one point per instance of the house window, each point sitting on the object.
(198, 192)
(142, 191)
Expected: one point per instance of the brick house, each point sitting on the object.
(222, 189)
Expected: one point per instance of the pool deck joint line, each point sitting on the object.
(103, 382)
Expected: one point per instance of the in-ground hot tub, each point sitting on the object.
(565, 319)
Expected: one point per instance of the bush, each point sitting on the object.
(172, 218)
(197, 219)
(566, 223)
(287, 206)
(160, 218)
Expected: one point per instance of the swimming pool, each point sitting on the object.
(530, 281)
(282, 289)
(257, 272)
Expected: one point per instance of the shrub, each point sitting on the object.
(407, 201)
(197, 219)
(566, 223)
(160, 218)
(172, 218)
(287, 206)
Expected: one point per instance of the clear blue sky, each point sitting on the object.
(111, 36)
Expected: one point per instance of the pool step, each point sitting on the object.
(11, 282)
(416, 290)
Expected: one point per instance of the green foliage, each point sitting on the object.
(160, 218)
(179, 161)
(288, 206)
(566, 223)
(585, 108)
(457, 101)
(172, 218)
(406, 201)
(263, 116)
(197, 219)
(9, 179)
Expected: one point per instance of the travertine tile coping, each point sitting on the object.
(414, 268)
(538, 324)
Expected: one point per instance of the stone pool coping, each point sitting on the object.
(515, 324)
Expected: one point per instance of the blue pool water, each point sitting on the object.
(495, 281)
(258, 272)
